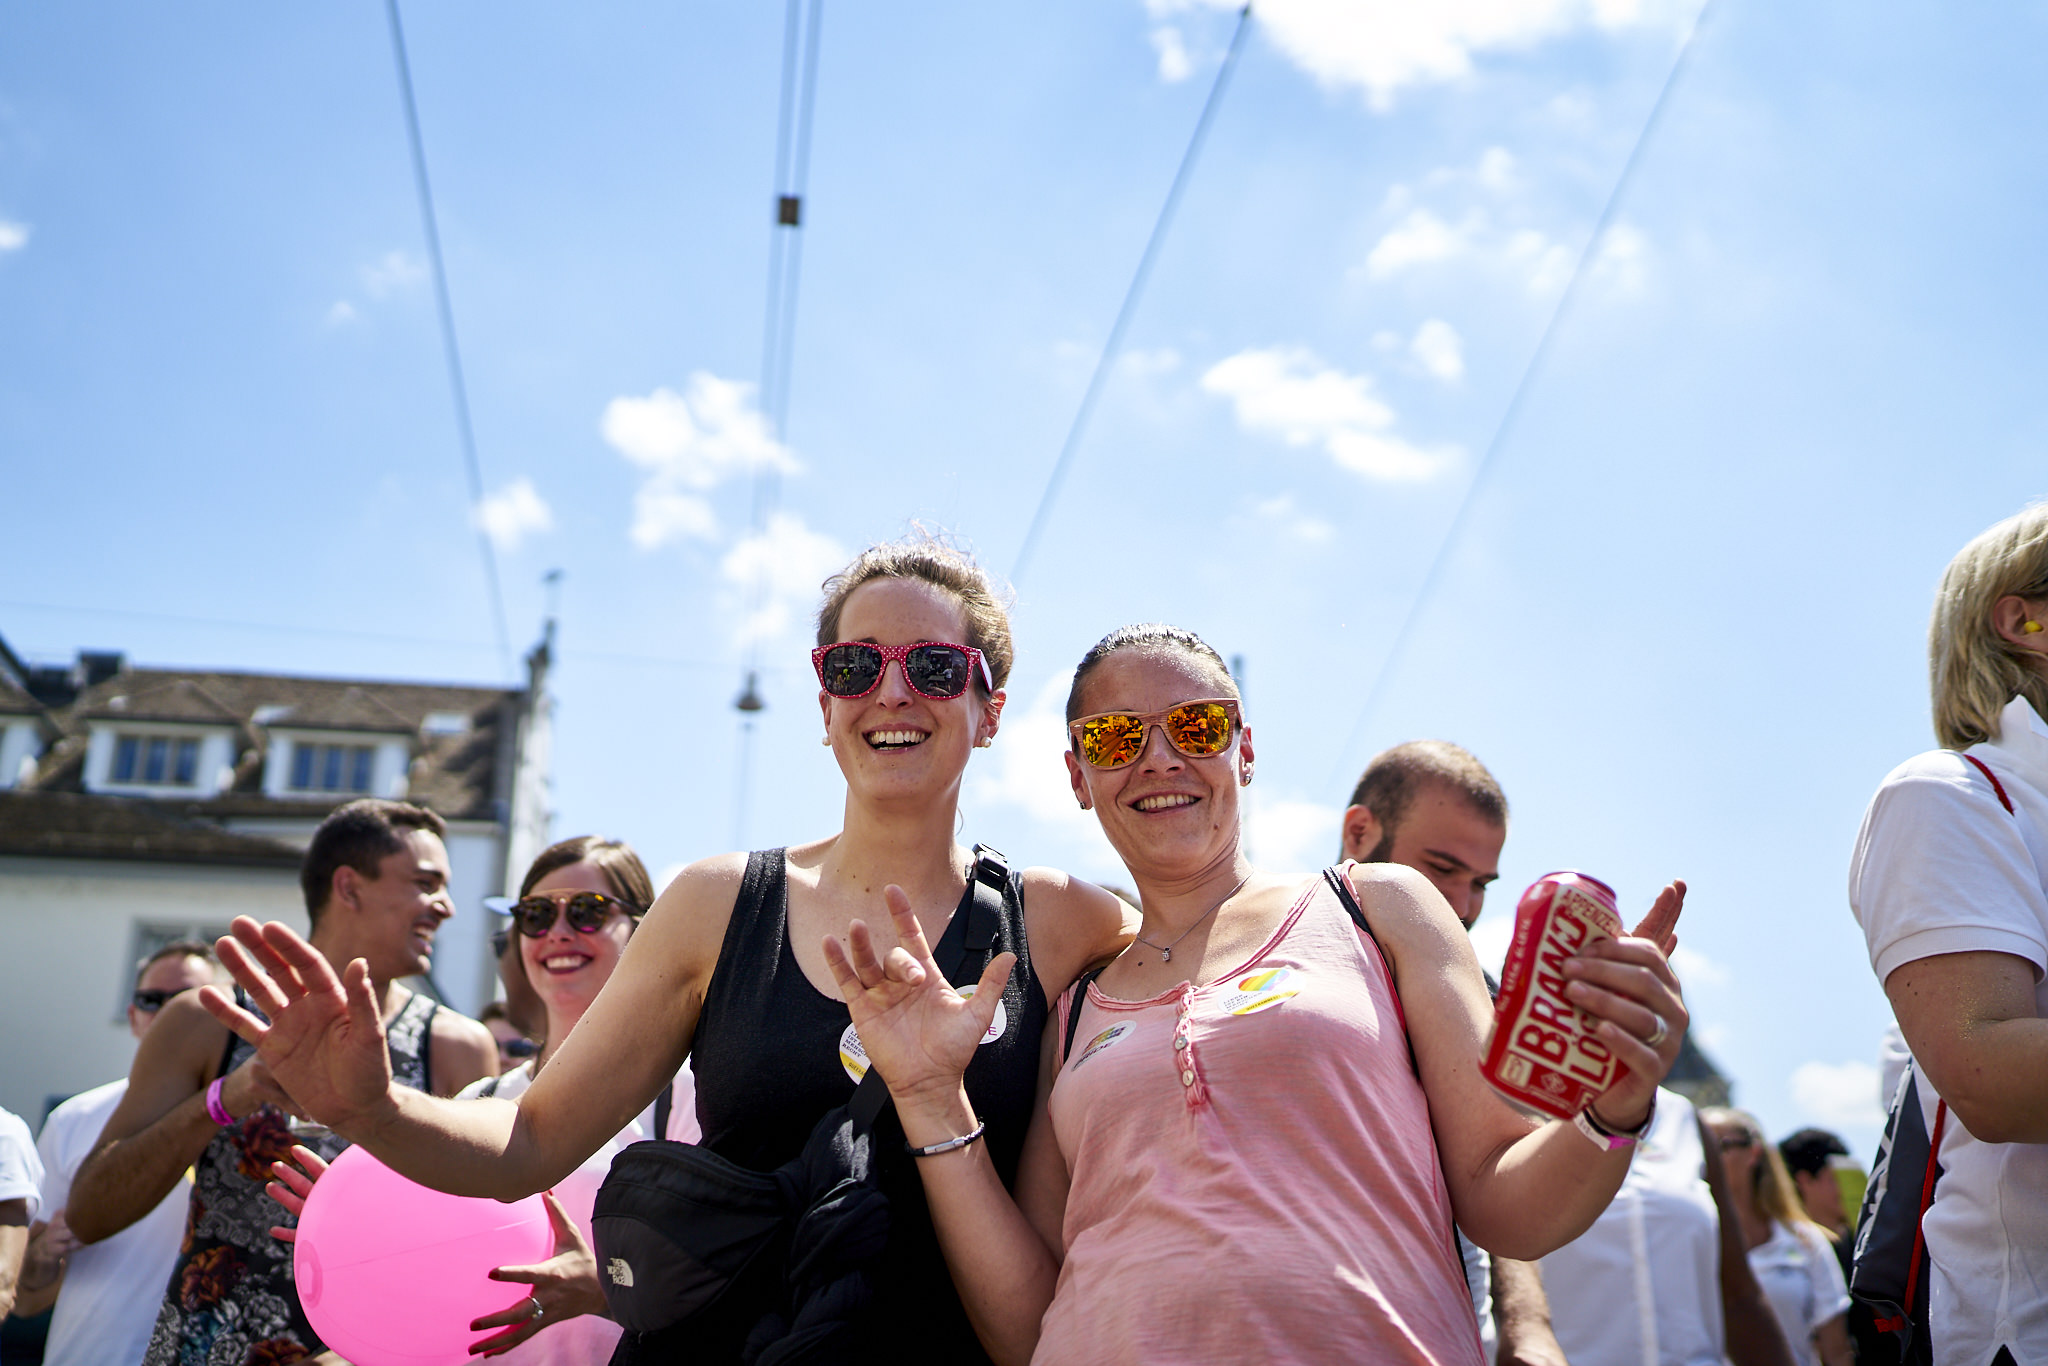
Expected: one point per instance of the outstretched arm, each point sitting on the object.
(920, 1034)
(1522, 1189)
(326, 1046)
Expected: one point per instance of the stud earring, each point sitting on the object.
(1087, 806)
(2032, 628)
(1246, 780)
(983, 743)
(825, 740)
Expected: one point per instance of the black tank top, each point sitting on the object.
(768, 1063)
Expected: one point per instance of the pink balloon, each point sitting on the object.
(391, 1273)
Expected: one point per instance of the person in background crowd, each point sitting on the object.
(577, 907)
(514, 1048)
(1818, 1162)
(1433, 807)
(1790, 1253)
(375, 879)
(21, 1181)
(107, 1303)
(520, 1008)
(1258, 1165)
(1949, 880)
(728, 969)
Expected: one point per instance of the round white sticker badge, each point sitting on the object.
(854, 1058)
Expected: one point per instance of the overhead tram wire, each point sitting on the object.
(456, 384)
(1490, 459)
(800, 44)
(1114, 343)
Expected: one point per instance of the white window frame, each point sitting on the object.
(216, 752)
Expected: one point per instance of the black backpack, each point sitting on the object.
(1888, 1319)
(705, 1260)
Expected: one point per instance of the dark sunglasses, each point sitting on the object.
(587, 911)
(934, 669)
(1739, 1140)
(1114, 739)
(150, 1002)
(519, 1048)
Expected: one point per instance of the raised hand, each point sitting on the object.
(917, 1030)
(293, 1185)
(1627, 986)
(561, 1287)
(324, 1044)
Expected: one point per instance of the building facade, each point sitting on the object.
(141, 805)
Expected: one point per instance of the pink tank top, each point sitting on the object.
(1253, 1171)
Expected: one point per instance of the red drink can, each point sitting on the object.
(1544, 1053)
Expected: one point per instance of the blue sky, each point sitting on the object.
(1684, 622)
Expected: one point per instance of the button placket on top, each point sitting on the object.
(1186, 1063)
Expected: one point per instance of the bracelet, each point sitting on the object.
(216, 1108)
(950, 1144)
(1606, 1138)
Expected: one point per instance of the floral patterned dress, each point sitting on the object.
(231, 1300)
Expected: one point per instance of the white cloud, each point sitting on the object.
(1419, 239)
(1024, 768)
(1695, 969)
(1838, 1095)
(1146, 364)
(1379, 47)
(1289, 393)
(341, 314)
(13, 235)
(513, 513)
(688, 443)
(1292, 521)
(1289, 836)
(393, 272)
(1496, 170)
(1623, 260)
(1439, 349)
(783, 564)
(1174, 63)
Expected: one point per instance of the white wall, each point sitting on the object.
(66, 931)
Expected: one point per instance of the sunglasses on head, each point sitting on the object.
(150, 1002)
(932, 668)
(535, 915)
(1114, 739)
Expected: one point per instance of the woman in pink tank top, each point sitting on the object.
(1250, 1152)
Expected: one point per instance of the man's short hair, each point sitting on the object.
(1807, 1151)
(177, 948)
(360, 835)
(1394, 777)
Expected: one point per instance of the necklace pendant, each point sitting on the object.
(1166, 955)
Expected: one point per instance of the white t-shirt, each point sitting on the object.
(112, 1288)
(1940, 867)
(1644, 1283)
(586, 1338)
(21, 1171)
(1799, 1275)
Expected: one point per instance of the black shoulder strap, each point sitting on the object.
(664, 1104)
(1074, 1010)
(1347, 896)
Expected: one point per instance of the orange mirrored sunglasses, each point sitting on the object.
(1200, 730)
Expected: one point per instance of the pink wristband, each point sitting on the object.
(216, 1110)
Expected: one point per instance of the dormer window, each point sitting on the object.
(154, 761)
(331, 768)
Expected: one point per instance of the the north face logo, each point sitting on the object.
(619, 1271)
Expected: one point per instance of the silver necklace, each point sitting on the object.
(1166, 950)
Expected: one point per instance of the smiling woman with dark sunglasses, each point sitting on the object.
(1243, 1148)
(729, 966)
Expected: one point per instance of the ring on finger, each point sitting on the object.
(1660, 1033)
(537, 1309)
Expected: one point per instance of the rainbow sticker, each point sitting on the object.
(1114, 1034)
(1261, 990)
(997, 1027)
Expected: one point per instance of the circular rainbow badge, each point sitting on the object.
(1261, 990)
(998, 1026)
(1100, 1042)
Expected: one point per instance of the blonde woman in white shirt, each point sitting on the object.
(1793, 1257)
(1950, 883)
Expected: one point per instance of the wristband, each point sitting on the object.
(216, 1109)
(1608, 1139)
(950, 1144)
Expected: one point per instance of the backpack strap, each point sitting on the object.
(1339, 878)
(1996, 786)
(1926, 1195)
(1070, 1006)
(664, 1105)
